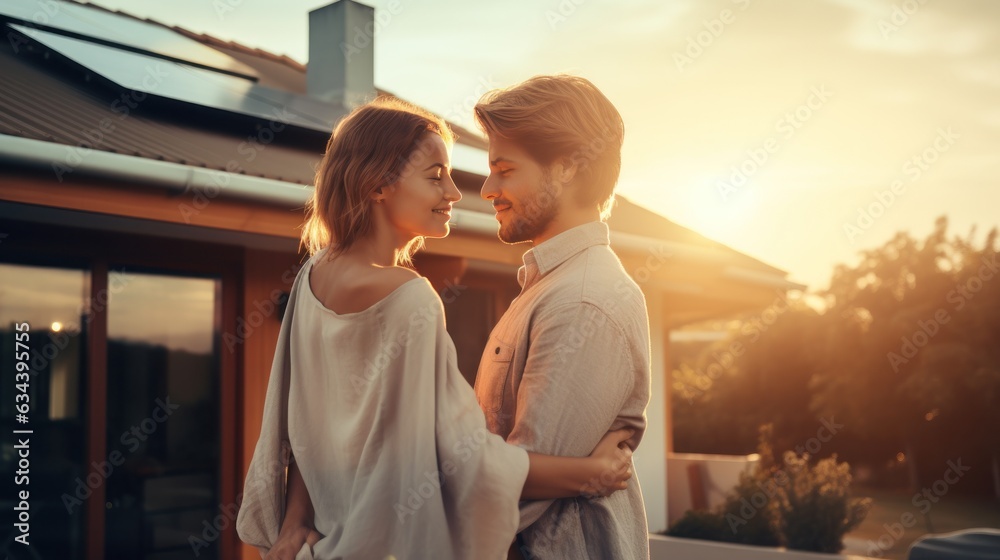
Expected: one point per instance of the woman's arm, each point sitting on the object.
(297, 525)
(606, 470)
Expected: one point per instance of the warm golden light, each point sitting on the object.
(56, 326)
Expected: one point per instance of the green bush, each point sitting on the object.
(801, 506)
(746, 522)
(815, 509)
(699, 524)
(737, 521)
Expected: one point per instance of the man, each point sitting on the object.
(569, 360)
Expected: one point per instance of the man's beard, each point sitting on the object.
(535, 216)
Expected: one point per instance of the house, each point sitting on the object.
(152, 182)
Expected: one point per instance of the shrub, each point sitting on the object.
(699, 524)
(815, 509)
(802, 506)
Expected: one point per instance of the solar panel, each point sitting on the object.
(182, 82)
(106, 27)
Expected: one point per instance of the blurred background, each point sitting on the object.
(807, 200)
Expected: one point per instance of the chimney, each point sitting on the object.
(341, 67)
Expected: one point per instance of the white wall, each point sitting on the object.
(669, 548)
(719, 475)
(651, 458)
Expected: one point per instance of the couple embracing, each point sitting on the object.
(373, 445)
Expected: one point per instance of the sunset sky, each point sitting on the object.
(763, 125)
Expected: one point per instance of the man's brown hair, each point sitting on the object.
(561, 116)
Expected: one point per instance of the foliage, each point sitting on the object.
(815, 509)
(800, 505)
(904, 354)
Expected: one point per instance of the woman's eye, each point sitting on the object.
(505, 172)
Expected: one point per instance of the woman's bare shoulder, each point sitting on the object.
(357, 291)
(392, 277)
(418, 297)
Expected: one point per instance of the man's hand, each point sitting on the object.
(290, 543)
(613, 464)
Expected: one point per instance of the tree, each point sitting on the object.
(914, 334)
(906, 355)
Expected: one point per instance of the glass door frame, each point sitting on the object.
(100, 252)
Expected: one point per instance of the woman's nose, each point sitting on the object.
(452, 193)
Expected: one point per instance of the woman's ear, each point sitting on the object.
(378, 195)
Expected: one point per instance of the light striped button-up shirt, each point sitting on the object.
(567, 362)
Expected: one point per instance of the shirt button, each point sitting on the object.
(497, 351)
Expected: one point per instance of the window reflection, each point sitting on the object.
(162, 416)
(51, 301)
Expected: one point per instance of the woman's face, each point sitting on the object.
(419, 203)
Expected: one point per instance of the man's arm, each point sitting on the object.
(606, 470)
(577, 377)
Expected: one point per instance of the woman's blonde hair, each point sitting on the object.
(561, 116)
(369, 149)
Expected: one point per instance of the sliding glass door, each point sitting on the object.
(162, 415)
(124, 401)
(48, 304)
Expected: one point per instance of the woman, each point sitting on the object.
(387, 450)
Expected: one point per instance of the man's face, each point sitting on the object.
(523, 194)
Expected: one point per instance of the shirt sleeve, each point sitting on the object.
(577, 376)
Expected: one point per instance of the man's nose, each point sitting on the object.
(489, 190)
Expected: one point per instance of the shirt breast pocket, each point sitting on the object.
(496, 372)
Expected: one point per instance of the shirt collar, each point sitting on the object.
(541, 259)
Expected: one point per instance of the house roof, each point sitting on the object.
(50, 98)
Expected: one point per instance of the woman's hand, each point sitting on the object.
(290, 542)
(612, 462)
